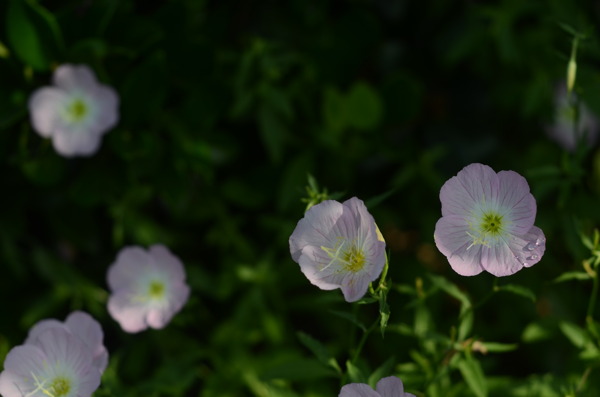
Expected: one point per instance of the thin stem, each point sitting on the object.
(583, 379)
(363, 339)
(593, 298)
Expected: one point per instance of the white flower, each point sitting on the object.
(75, 112)
(148, 288)
(58, 364)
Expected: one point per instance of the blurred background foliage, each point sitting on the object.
(226, 107)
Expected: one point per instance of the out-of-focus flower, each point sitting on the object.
(487, 222)
(386, 387)
(81, 325)
(75, 112)
(338, 245)
(58, 364)
(147, 288)
(572, 124)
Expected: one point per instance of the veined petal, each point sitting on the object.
(41, 326)
(515, 253)
(125, 271)
(474, 184)
(9, 384)
(315, 229)
(314, 264)
(515, 198)
(90, 332)
(357, 390)
(355, 285)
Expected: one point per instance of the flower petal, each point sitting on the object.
(514, 196)
(452, 239)
(125, 271)
(472, 185)
(70, 142)
(90, 332)
(314, 264)
(45, 105)
(357, 390)
(107, 102)
(390, 387)
(514, 253)
(315, 229)
(130, 314)
(163, 261)
(74, 78)
(10, 384)
(41, 326)
(355, 285)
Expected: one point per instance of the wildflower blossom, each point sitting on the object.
(338, 245)
(58, 364)
(572, 124)
(487, 222)
(81, 325)
(386, 387)
(148, 288)
(75, 112)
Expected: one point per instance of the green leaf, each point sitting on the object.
(318, 350)
(572, 276)
(384, 370)
(518, 290)
(363, 107)
(535, 332)
(32, 33)
(384, 309)
(577, 335)
(350, 317)
(354, 373)
(473, 375)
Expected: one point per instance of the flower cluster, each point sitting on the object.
(487, 222)
(57, 359)
(75, 112)
(338, 245)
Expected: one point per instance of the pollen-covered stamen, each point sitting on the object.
(491, 223)
(352, 258)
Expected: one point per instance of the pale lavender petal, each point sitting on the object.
(357, 390)
(71, 142)
(130, 314)
(20, 363)
(535, 247)
(355, 286)
(107, 103)
(125, 271)
(473, 184)
(452, 239)
(45, 105)
(40, 327)
(10, 384)
(390, 387)
(315, 229)
(162, 260)
(158, 319)
(313, 264)
(90, 332)
(514, 195)
(74, 78)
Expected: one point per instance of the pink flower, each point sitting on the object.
(487, 222)
(57, 364)
(386, 387)
(81, 325)
(148, 288)
(75, 112)
(338, 245)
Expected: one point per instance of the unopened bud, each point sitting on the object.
(571, 73)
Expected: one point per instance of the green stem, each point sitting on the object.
(593, 298)
(363, 339)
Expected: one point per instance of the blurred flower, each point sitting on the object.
(58, 364)
(81, 325)
(148, 288)
(386, 387)
(338, 245)
(76, 112)
(572, 124)
(487, 222)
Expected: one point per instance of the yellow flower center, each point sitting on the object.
(156, 289)
(354, 259)
(77, 110)
(60, 387)
(491, 223)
